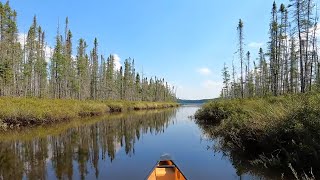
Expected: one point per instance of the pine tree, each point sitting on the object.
(138, 88)
(94, 70)
(23, 70)
(298, 14)
(110, 78)
(127, 79)
(31, 48)
(57, 72)
(248, 75)
(314, 59)
(293, 65)
(9, 50)
(41, 65)
(120, 83)
(226, 79)
(274, 51)
(83, 77)
(240, 36)
(284, 49)
(103, 79)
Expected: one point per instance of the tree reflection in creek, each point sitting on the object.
(78, 147)
(245, 159)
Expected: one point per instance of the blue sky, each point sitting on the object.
(184, 41)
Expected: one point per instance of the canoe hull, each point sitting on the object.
(166, 170)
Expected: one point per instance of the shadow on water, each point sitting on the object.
(249, 160)
(67, 149)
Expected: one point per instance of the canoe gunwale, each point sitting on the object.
(165, 166)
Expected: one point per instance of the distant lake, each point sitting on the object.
(193, 102)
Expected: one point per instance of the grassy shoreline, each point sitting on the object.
(271, 132)
(15, 112)
(43, 131)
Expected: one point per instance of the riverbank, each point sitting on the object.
(16, 112)
(55, 129)
(273, 132)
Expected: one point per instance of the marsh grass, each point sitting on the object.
(32, 111)
(285, 127)
(27, 133)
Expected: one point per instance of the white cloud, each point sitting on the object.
(204, 71)
(48, 52)
(47, 49)
(206, 90)
(317, 30)
(22, 38)
(117, 61)
(255, 44)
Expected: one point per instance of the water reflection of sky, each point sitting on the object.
(162, 132)
(182, 140)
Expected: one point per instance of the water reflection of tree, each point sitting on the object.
(245, 161)
(81, 147)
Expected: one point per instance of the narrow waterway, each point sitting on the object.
(122, 146)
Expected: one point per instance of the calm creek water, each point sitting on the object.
(122, 146)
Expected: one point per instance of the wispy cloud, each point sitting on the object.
(48, 52)
(205, 90)
(255, 44)
(117, 61)
(22, 38)
(204, 71)
(47, 49)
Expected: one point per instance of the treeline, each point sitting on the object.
(26, 71)
(291, 62)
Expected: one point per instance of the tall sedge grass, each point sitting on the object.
(27, 134)
(258, 113)
(288, 125)
(31, 111)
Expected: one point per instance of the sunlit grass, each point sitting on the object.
(288, 125)
(258, 113)
(43, 131)
(30, 111)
